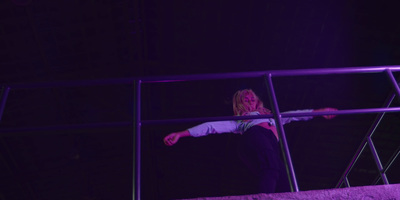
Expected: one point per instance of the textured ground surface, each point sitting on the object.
(384, 192)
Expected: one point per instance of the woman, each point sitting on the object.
(258, 147)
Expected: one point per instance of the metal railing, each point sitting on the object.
(277, 115)
(368, 141)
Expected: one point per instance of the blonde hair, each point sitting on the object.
(239, 107)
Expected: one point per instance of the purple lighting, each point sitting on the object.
(268, 76)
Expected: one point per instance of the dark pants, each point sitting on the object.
(259, 150)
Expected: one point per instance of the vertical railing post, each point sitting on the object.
(137, 140)
(4, 95)
(283, 142)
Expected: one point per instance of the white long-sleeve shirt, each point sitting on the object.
(240, 126)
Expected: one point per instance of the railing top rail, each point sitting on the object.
(235, 75)
(274, 73)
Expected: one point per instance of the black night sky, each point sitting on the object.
(76, 142)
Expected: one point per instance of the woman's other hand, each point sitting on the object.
(326, 110)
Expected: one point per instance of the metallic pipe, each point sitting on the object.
(277, 115)
(394, 82)
(344, 112)
(351, 165)
(392, 159)
(137, 141)
(283, 115)
(370, 132)
(4, 95)
(185, 120)
(64, 127)
(389, 164)
(73, 83)
(283, 142)
(347, 182)
(377, 161)
(204, 119)
(328, 71)
(275, 73)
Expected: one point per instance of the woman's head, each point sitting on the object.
(245, 101)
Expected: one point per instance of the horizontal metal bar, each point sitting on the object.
(64, 127)
(199, 119)
(236, 75)
(273, 73)
(72, 83)
(329, 71)
(343, 112)
(283, 115)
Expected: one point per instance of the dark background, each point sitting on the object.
(77, 142)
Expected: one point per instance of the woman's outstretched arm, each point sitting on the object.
(204, 129)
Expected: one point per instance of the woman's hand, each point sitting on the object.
(173, 138)
(326, 110)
